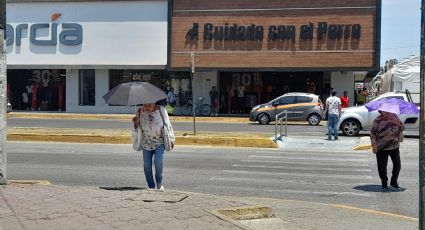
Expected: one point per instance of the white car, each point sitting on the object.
(356, 119)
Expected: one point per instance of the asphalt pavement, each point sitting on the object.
(333, 176)
(178, 126)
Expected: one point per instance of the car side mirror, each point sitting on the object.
(275, 103)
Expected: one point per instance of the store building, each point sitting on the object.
(253, 51)
(65, 55)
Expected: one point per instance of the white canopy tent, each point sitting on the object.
(404, 75)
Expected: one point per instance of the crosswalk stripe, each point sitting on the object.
(303, 154)
(360, 177)
(304, 163)
(255, 181)
(302, 168)
(274, 191)
(310, 158)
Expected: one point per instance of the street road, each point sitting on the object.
(334, 176)
(179, 126)
(293, 130)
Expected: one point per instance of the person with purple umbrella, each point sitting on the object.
(386, 135)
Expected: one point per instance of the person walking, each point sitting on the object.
(214, 101)
(345, 101)
(333, 109)
(385, 136)
(151, 118)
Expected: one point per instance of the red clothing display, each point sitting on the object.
(345, 101)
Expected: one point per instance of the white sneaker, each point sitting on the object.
(161, 188)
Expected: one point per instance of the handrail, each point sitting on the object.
(278, 121)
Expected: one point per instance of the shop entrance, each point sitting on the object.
(42, 90)
(240, 91)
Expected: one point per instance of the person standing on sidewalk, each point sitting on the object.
(214, 101)
(151, 118)
(333, 109)
(345, 101)
(385, 136)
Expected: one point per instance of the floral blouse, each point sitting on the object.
(151, 124)
(386, 133)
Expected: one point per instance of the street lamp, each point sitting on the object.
(3, 94)
(422, 126)
(192, 74)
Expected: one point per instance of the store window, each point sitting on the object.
(179, 82)
(155, 77)
(87, 87)
(37, 89)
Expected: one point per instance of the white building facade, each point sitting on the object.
(64, 56)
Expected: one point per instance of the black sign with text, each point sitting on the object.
(235, 32)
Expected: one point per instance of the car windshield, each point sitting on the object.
(388, 97)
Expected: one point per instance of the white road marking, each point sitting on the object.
(315, 175)
(302, 168)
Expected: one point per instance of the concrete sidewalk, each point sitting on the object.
(25, 206)
(121, 136)
(127, 117)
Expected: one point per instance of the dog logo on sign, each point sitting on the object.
(192, 34)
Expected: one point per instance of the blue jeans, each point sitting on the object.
(333, 120)
(158, 155)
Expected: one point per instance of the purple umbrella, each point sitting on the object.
(404, 107)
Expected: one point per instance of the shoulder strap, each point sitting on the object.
(160, 112)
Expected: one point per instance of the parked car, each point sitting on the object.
(356, 119)
(300, 106)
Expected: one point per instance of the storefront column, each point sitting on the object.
(72, 90)
(344, 81)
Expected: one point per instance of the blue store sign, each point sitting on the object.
(70, 35)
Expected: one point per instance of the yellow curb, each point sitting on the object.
(125, 139)
(227, 141)
(341, 206)
(363, 147)
(29, 182)
(374, 212)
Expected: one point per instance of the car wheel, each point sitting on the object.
(314, 119)
(263, 119)
(350, 127)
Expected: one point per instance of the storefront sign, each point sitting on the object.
(71, 34)
(234, 32)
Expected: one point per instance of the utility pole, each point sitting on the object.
(192, 74)
(422, 126)
(3, 93)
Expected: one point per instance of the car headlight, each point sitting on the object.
(256, 107)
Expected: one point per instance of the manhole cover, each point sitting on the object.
(122, 188)
(158, 196)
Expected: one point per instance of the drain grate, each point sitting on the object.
(247, 213)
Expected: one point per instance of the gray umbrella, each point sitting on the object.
(134, 93)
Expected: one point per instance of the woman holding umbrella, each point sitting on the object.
(385, 136)
(151, 118)
(156, 132)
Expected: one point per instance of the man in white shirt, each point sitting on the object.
(333, 108)
(171, 98)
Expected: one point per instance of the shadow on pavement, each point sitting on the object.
(377, 188)
(122, 188)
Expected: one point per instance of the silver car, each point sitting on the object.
(300, 106)
(356, 119)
